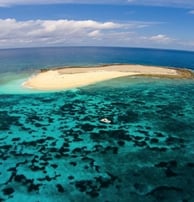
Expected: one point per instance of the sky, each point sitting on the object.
(165, 24)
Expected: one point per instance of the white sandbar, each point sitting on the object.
(66, 78)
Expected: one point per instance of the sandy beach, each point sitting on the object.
(67, 78)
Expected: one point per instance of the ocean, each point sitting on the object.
(55, 148)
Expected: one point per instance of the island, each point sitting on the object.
(73, 77)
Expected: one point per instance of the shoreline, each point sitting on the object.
(73, 77)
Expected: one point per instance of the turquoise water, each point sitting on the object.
(54, 146)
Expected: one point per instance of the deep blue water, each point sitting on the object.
(55, 148)
(12, 60)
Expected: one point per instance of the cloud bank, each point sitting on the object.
(33, 33)
(169, 3)
(48, 32)
(63, 32)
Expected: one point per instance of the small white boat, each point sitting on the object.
(105, 120)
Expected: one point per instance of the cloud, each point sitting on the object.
(161, 38)
(95, 34)
(4, 3)
(191, 12)
(63, 32)
(52, 32)
(187, 44)
(167, 3)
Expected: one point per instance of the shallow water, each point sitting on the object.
(53, 146)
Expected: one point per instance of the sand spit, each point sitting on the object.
(66, 78)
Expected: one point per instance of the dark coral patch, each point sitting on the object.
(60, 188)
(8, 191)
